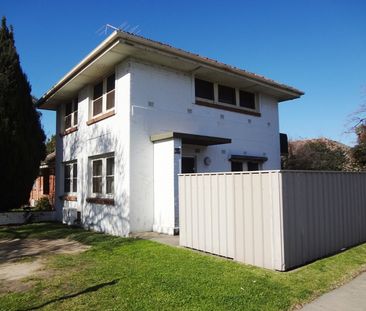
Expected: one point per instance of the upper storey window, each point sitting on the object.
(247, 100)
(225, 97)
(103, 96)
(71, 114)
(204, 89)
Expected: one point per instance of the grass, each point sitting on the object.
(130, 274)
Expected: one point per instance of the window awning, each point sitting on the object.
(242, 158)
(191, 139)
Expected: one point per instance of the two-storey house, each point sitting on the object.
(134, 113)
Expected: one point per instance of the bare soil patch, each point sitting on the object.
(23, 258)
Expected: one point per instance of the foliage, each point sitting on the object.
(133, 274)
(358, 152)
(359, 155)
(360, 131)
(51, 144)
(43, 204)
(317, 154)
(21, 134)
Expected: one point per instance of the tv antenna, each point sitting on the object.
(105, 29)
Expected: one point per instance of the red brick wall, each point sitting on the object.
(37, 190)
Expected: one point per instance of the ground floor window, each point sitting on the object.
(102, 175)
(46, 184)
(253, 166)
(71, 177)
(238, 166)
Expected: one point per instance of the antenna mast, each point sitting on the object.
(123, 27)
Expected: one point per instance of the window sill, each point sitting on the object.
(104, 201)
(66, 197)
(224, 107)
(101, 117)
(69, 131)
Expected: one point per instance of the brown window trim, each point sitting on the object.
(69, 131)
(233, 109)
(104, 201)
(101, 117)
(66, 197)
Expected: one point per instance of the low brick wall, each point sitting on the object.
(18, 218)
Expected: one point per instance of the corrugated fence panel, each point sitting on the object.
(239, 217)
(248, 219)
(272, 219)
(232, 215)
(323, 213)
(182, 212)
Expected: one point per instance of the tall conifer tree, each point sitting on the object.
(21, 135)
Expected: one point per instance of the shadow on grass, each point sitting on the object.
(50, 231)
(38, 230)
(14, 240)
(87, 290)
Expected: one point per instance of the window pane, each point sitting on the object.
(68, 108)
(75, 104)
(227, 95)
(110, 100)
(98, 90)
(204, 89)
(247, 100)
(110, 166)
(75, 118)
(110, 185)
(75, 170)
(110, 83)
(97, 106)
(46, 184)
(236, 166)
(253, 166)
(67, 171)
(97, 184)
(74, 185)
(68, 121)
(97, 168)
(67, 185)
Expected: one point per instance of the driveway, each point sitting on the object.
(22, 258)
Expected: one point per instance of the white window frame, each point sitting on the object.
(245, 165)
(216, 96)
(72, 176)
(104, 176)
(104, 96)
(256, 100)
(74, 114)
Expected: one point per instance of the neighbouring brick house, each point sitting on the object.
(44, 185)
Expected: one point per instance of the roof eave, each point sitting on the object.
(99, 50)
(287, 91)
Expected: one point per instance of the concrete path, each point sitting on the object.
(349, 297)
(172, 240)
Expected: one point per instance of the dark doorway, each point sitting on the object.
(188, 165)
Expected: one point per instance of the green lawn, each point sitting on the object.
(128, 274)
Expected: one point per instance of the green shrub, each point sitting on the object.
(43, 204)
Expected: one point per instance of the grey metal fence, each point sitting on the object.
(272, 219)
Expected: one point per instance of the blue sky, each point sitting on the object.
(316, 46)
